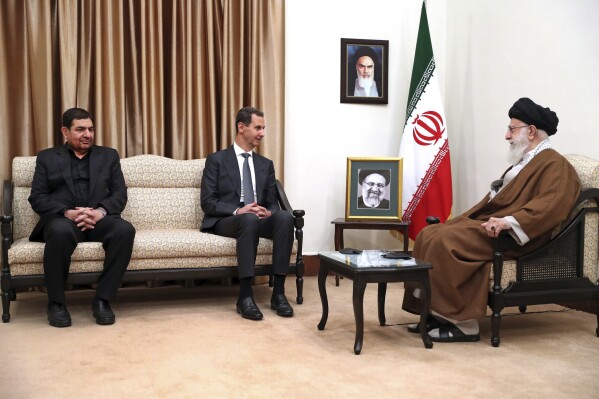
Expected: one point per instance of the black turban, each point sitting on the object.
(532, 114)
(364, 173)
(365, 51)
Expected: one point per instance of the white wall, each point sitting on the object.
(489, 53)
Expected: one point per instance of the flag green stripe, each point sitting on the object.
(424, 63)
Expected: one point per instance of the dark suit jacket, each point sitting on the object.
(221, 186)
(52, 188)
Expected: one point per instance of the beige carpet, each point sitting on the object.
(173, 342)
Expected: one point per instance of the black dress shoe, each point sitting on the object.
(281, 305)
(102, 312)
(248, 309)
(58, 315)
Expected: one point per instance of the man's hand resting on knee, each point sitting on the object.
(256, 209)
(84, 218)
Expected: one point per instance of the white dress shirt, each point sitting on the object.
(240, 159)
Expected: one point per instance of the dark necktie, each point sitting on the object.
(248, 188)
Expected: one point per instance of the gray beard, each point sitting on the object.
(372, 200)
(516, 152)
(365, 83)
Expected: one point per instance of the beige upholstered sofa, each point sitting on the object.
(163, 205)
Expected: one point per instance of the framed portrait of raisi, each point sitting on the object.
(373, 189)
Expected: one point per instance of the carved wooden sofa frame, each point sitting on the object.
(168, 245)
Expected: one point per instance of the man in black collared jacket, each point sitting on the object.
(79, 191)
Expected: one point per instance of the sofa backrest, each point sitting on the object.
(587, 169)
(163, 193)
(588, 173)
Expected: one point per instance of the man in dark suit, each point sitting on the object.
(246, 208)
(79, 191)
(374, 184)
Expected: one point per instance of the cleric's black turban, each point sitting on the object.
(533, 114)
(364, 173)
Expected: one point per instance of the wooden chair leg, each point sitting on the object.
(495, 323)
(522, 308)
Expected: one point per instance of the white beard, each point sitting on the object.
(371, 200)
(366, 83)
(517, 151)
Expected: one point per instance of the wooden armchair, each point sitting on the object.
(564, 270)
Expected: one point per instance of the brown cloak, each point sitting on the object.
(539, 197)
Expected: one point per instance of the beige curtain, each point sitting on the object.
(162, 77)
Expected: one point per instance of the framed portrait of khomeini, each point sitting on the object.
(373, 189)
(364, 71)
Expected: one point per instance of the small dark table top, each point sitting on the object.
(371, 224)
(370, 261)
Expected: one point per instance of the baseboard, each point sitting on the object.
(311, 265)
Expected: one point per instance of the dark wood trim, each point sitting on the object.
(584, 306)
(311, 265)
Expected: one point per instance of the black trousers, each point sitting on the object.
(62, 235)
(248, 228)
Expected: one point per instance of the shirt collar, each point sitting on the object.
(543, 145)
(71, 152)
(239, 150)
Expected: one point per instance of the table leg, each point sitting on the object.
(322, 290)
(358, 300)
(406, 241)
(425, 299)
(381, 303)
(338, 246)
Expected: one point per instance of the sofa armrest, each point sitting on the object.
(282, 197)
(589, 194)
(298, 222)
(7, 219)
(7, 215)
(298, 214)
(7, 194)
(502, 243)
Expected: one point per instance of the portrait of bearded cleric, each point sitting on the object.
(373, 186)
(364, 71)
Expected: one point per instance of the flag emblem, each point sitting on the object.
(429, 128)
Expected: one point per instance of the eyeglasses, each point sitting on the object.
(512, 128)
(372, 184)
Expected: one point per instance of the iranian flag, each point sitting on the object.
(424, 146)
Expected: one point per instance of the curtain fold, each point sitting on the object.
(162, 77)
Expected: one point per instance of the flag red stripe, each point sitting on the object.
(435, 200)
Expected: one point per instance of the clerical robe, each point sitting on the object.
(540, 197)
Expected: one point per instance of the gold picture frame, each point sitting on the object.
(374, 188)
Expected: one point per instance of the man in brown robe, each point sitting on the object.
(529, 201)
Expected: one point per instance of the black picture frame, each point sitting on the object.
(351, 51)
(374, 170)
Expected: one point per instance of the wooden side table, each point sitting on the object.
(373, 269)
(342, 224)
